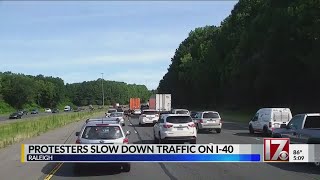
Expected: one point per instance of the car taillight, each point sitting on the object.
(167, 125)
(221, 121)
(200, 121)
(270, 124)
(192, 125)
(78, 141)
(125, 141)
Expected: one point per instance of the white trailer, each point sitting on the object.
(163, 102)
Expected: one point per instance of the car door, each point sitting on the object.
(254, 120)
(294, 126)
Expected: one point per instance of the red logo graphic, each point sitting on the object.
(276, 149)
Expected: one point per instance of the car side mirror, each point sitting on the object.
(128, 133)
(283, 126)
(77, 133)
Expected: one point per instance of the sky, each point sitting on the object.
(127, 41)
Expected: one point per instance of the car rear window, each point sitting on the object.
(312, 122)
(116, 114)
(211, 115)
(179, 119)
(149, 112)
(102, 132)
(112, 110)
(182, 112)
(119, 110)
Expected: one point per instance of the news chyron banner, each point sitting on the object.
(272, 150)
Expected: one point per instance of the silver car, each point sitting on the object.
(118, 115)
(100, 131)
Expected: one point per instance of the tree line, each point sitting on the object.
(265, 53)
(26, 91)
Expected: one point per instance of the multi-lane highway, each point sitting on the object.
(236, 133)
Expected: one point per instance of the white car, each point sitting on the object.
(100, 131)
(118, 115)
(47, 110)
(208, 120)
(148, 116)
(266, 120)
(175, 127)
(136, 112)
(181, 111)
(111, 110)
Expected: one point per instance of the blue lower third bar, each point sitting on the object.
(146, 157)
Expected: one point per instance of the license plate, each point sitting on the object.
(179, 128)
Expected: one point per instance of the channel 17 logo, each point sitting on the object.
(276, 149)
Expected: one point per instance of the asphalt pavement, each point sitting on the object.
(233, 133)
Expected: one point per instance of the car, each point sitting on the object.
(136, 112)
(15, 115)
(175, 127)
(126, 112)
(100, 131)
(119, 109)
(118, 115)
(111, 110)
(34, 111)
(266, 120)
(180, 111)
(47, 110)
(193, 113)
(55, 110)
(23, 112)
(148, 116)
(208, 120)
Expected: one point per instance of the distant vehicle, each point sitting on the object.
(136, 112)
(208, 120)
(34, 111)
(47, 110)
(148, 116)
(67, 108)
(23, 112)
(144, 106)
(118, 115)
(266, 120)
(55, 110)
(127, 112)
(152, 103)
(111, 110)
(193, 113)
(99, 131)
(163, 102)
(134, 104)
(175, 127)
(15, 115)
(119, 109)
(180, 111)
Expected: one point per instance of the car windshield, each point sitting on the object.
(112, 110)
(179, 119)
(102, 132)
(119, 110)
(312, 122)
(211, 115)
(149, 112)
(116, 114)
(182, 112)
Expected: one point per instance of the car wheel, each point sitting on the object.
(126, 167)
(251, 130)
(218, 130)
(265, 131)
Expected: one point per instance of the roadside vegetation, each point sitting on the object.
(264, 54)
(18, 131)
(19, 91)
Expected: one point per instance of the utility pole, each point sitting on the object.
(102, 90)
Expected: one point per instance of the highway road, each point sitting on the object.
(236, 133)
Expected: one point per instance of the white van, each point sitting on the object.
(268, 119)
